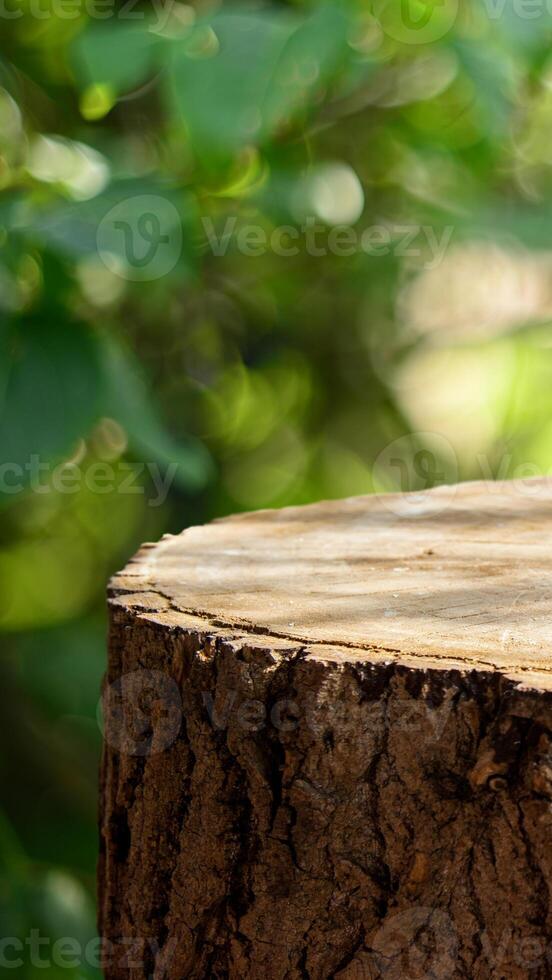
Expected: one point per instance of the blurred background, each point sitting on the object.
(250, 255)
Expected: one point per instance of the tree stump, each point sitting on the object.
(328, 743)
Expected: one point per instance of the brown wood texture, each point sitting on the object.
(328, 743)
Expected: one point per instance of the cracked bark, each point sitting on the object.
(276, 804)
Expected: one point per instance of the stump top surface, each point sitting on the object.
(459, 573)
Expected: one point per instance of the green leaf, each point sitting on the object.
(312, 57)
(49, 384)
(127, 399)
(121, 56)
(11, 203)
(240, 76)
(494, 81)
(506, 221)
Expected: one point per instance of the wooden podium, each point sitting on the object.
(328, 743)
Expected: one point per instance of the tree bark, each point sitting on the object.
(328, 744)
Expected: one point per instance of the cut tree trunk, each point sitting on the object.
(328, 744)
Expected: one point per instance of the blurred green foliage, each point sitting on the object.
(182, 337)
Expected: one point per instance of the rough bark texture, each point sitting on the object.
(277, 804)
